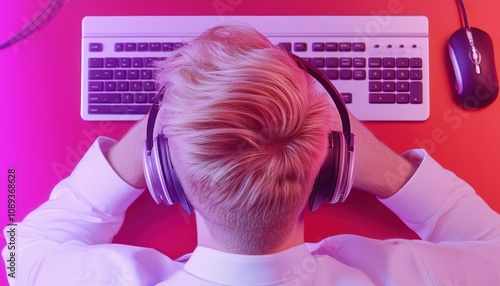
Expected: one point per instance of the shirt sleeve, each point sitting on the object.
(460, 234)
(66, 241)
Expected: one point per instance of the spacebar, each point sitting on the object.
(119, 109)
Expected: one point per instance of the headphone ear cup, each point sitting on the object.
(328, 176)
(174, 189)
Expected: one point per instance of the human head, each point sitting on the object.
(247, 131)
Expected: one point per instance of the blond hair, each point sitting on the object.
(248, 134)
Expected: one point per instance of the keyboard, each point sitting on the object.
(380, 65)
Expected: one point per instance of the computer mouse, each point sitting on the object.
(472, 57)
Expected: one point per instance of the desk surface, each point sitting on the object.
(43, 136)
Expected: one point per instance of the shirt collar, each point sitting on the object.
(231, 269)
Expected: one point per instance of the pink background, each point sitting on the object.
(43, 136)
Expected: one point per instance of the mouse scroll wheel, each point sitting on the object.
(475, 57)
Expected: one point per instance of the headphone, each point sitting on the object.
(333, 182)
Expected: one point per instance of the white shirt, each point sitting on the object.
(67, 240)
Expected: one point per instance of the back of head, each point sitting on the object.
(247, 132)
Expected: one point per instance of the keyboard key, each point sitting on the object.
(359, 74)
(388, 62)
(345, 47)
(359, 62)
(100, 74)
(358, 47)
(149, 62)
(136, 85)
(415, 92)
(382, 98)
(125, 62)
(122, 86)
(111, 62)
(287, 46)
(402, 74)
(309, 60)
(146, 74)
(130, 47)
(402, 62)
(96, 86)
(347, 96)
(388, 74)
(300, 47)
(143, 47)
(95, 47)
(127, 97)
(167, 47)
(416, 74)
(345, 74)
(318, 47)
(388, 86)
(375, 74)
(331, 47)
(96, 62)
(415, 62)
(402, 98)
(110, 86)
(120, 74)
(178, 45)
(374, 62)
(345, 62)
(149, 86)
(318, 62)
(137, 62)
(375, 86)
(119, 109)
(332, 74)
(133, 74)
(332, 62)
(104, 98)
(141, 97)
(403, 86)
(155, 47)
(119, 47)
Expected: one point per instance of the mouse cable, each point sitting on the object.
(464, 14)
(46, 14)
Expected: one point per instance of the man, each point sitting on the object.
(247, 133)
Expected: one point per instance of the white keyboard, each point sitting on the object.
(381, 66)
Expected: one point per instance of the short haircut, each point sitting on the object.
(247, 130)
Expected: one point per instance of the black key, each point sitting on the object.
(332, 74)
(130, 47)
(388, 62)
(137, 62)
(127, 97)
(119, 109)
(382, 98)
(416, 74)
(100, 74)
(331, 47)
(416, 62)
(155, 47)
(358, 47)
(142, 47)
(104, 98)
(402, 98)
(416, 92)
(287, 46)
(318, 47)
(345, 47)
(318, 62)
(374, 62)
(96, 86)
(345, 62)
(347, 96)
(300, 47)
(111, 62)
(359, 62)
(402, 62)
(96, 62)
(345, 74)
(332, 62)
(375, 86)
(359, 74)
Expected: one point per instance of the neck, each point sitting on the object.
(296, 237)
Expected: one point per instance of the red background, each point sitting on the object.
(43, 136)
